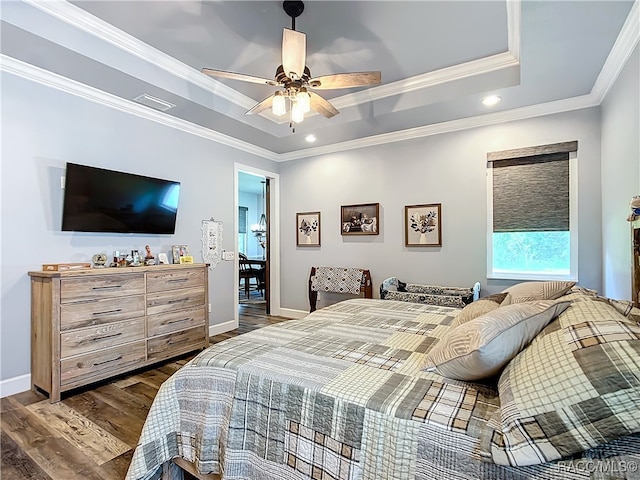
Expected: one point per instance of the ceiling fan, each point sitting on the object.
(294, 77)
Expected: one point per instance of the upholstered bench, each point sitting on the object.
(394, 289)
(338, 280)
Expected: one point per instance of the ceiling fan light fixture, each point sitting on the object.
(279, 106)
(294, 79)
(297, 113)
(303, 100)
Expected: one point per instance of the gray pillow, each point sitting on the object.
(530, 291)
(482, 346)
(479, 307)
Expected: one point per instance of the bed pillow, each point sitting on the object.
(479, 307)
(573, 388)
(530, 291)
(482, 346)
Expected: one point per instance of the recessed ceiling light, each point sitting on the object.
(310, 138)
(491, 100)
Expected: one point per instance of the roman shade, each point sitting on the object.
(242, 219)
(531, 188)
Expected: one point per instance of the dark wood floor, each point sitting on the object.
(91, 433)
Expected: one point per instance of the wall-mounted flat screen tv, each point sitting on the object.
(99, 200)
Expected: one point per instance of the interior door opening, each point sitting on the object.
(253, 243)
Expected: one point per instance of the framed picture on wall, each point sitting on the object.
(308, 229)
(422, 225)
(362, 219)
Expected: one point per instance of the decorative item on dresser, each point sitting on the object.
(94, 324)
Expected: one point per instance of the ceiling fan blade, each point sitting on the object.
(322, 106)
(294, 53)
(345, 80)
(238, 76)
(263, 105)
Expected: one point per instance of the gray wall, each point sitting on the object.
(42, 129)
(449, 169)
(620, 176)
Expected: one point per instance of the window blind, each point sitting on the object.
(531, 188)
(242, 219)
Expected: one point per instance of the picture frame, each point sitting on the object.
(179, 251)
(308, 229)
(163, 258)
(423, 225)
(361, 219)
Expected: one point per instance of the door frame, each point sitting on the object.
(273, 252)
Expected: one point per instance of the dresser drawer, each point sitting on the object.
(166, 346)
(90, 339)
(162, 323)
(104, 363)
(99, 312)
(172, 279)
(103, 286)
(177, 300)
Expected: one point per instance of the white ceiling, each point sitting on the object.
(437, 58)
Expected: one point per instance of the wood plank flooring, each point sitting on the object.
(92, 432)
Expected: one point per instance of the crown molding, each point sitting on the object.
(448, 74)
(58, 82)
(84, 21)
(64, 84)
(550, 108)
(623, 47)
(426, 80)
(620, 52)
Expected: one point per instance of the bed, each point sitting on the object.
(355, 391)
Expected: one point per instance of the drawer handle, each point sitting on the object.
(107, 336)
(107, 287)
(186, 319)
(175, 280)
(108, 361)
(179, 300)
(107, 312)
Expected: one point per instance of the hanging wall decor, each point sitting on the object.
(362, 219)
(422, 225)
(308, 229)
(211, 242)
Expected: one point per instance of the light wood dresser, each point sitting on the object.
(89, 325)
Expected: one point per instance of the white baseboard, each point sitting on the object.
(223, 327)
(290, 312)
(14, 385)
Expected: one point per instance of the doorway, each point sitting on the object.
(253, 240)
(257, 240)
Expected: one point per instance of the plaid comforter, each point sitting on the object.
(340, 394)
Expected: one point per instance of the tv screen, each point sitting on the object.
(99, 200)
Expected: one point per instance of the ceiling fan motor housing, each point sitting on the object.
(293, 8)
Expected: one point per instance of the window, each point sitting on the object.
(242, 229)
(532, 213)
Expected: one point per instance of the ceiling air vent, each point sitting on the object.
(154, 102)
